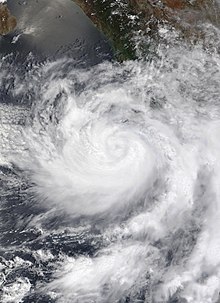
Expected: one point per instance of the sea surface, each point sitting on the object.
(109, 172)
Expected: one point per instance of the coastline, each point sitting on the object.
(125, 22)
(8, 22)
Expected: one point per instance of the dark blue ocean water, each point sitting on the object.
(46, 31)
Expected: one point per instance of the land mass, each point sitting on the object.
(7, 21)
(125, 21)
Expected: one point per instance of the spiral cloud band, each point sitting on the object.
(128, 164)
(91, 171)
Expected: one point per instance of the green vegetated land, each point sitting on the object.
(126, 22)
(132, 25)
(117, 21)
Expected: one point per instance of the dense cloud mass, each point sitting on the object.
(127, 155)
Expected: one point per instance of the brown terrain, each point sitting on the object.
(119, 20)
(180, 13)
(7, 21)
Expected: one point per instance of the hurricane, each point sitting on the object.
(118, 168)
